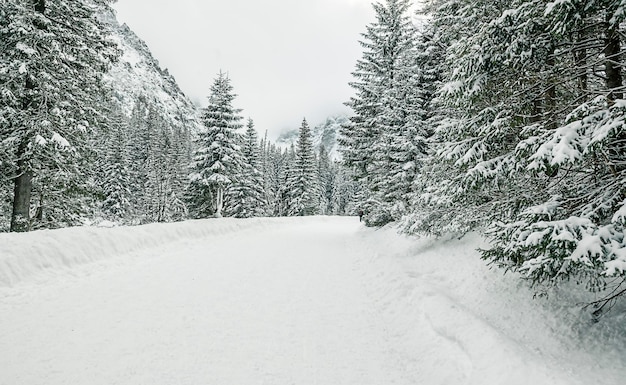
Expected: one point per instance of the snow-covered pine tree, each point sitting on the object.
(327, 182)
(574, 228)
(177, 164)
(217, 159)
(53, 56)
(381, 143)
(432, 209)
(277, 174)
(158, 188)
(303, 189)
(503, 87)
(536, 153)
(115, 170)
(286, 175)
(141, 148)
(269, 174)
(348, 192)
(478, 125)
(248, 191)
(159, 157)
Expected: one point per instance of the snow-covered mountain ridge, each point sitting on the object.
(137, 74)
(324, 134)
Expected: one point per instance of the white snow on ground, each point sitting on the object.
(283, 301)
(41, 252)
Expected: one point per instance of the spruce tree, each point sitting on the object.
(159, 156)
(529, 140)
(326, 183)
(115, 171)
(53, 56)
(277, 174)
(217, 159)
(382, 142)
(303, 194)
(176, 165)
(248, 192)
(575, 149)
(158, 188)
(141, 148)
(269, 174)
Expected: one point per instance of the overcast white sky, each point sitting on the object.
(287, 59)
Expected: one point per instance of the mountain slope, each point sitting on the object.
(138, 74)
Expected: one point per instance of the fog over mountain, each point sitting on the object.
(323, 134)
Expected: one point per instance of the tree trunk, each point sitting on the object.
(614, 84)
(580, 56)
(550, 93)
(23, 185)
(219, 202)
(612, 65)
(20, 218)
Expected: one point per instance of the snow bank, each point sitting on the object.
(286, 301)
(445, 305)
(23, 255)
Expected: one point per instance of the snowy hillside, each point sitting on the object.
(314, 300)
(324, 134)
(138, 74)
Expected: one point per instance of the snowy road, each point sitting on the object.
(298, 302)
(281, 306)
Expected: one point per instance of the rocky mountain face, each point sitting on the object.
(324, 134)
(137, 74)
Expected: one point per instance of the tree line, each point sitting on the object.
(236, 174)
(505, 117)
(71, 153)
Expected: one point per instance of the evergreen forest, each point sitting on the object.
(501, 117)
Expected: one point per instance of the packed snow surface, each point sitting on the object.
(283, 301)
